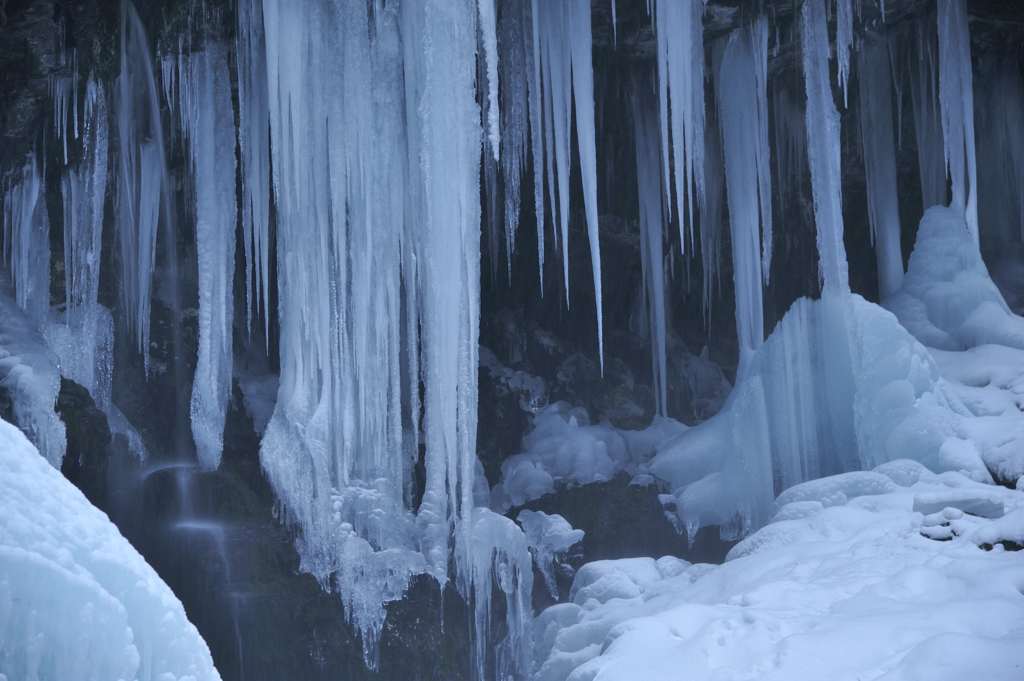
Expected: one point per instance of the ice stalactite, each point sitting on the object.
(924, 98)
(956, 97)
(208, 125)
(84, 341)
(740, 75)
(822, 123)
(567, 85)
(1001, 151)
(652, 221)
(375, 149)
(537, 127)
(27, 240)
(488, 22)
(878, 144)
(844, 40)
(680, 56)
(143, 187)
(513, 63)
(254, 145)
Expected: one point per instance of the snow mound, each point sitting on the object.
(76, 600)
(565, 449)
(792, 598)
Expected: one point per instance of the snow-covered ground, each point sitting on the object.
(852, 580)
(76, 600)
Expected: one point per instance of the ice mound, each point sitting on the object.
(30, 375)
(76, 600)
(948, 300)
(838, 386)
(838, 589)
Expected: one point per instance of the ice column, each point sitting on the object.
(823, 147)
(85, 342)
(741, 93)
(208, 123)
(652, 220)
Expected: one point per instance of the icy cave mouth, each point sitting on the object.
(511, 339)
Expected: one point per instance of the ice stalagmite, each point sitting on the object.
(208, 124)
(740, 86)
(564, 33)
(254, 145)
(823, 147)
(877, 141)
(956, 97)
(680, 55)
(652, 221)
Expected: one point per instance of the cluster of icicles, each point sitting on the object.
(364, 125)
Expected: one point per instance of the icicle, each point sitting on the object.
(880, 161)
(680, 56)
(615, 25)
(564, 32)
(489, 39)
(790, 141)
(515, 116)
(27, 240)
(823, 147)
(741, 89)
(844, 39)
(208, 124)
(534, 92)
(924, 98)
(254, 141)
(956, 95)
(652, 220)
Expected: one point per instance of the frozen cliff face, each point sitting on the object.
(76, 600)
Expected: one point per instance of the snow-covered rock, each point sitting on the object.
(848, 590)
